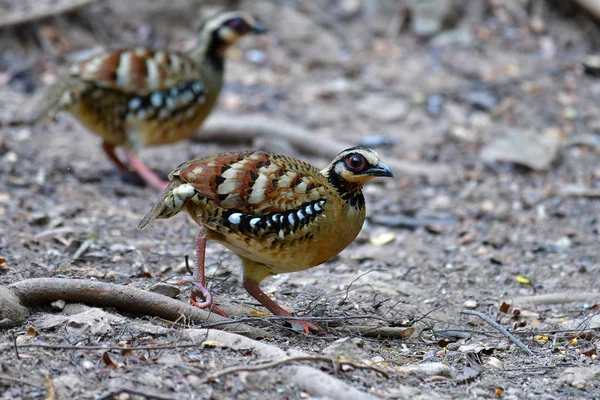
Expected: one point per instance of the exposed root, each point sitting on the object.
(30, 292)
(336, 362)
(555, 298)
(222, 128)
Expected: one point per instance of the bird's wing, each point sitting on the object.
(137, 71)
(254, 182)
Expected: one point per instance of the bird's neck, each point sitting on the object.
(210, 50)
(350, 192)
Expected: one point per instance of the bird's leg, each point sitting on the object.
(147, 175)
(256, 292)
(198, 281)
(109, 149)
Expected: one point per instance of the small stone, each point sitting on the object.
(471, 304)
(454, 346)
(58, 305)
(39, 218)
(579, 377)
(351, 348)
(483, 100)
(427, 370)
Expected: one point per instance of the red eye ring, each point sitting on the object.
(356, 162)
(239, 25)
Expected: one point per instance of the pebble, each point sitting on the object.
(427, 370)
(471, 304)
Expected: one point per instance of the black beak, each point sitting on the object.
(258, 27)
(380, 170)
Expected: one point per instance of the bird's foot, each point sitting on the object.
(306, 326)
(200, 296)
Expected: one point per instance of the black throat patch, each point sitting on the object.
(351, 193)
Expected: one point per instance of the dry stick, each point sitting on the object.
(50, 386)
(128, 298)
(286, 360)
(500, 329)
(41, 12)
(383, 332)
(592, 6)
(148, 394)
(10, 379)
(221, 128)
(555, 298)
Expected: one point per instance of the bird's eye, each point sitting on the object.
(239, 25)
(356, 162)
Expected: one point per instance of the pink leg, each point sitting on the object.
(144, 172)
(256, 292)
(198, 281)
(109, 149)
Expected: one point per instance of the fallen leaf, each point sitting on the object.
(31, 331)
(214, 344)
(256, 313)
(530, 149)
(498, 392)
(108, 361)
(383, 238)
(523, 281)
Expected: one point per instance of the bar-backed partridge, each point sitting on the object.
(140, 97)
(277, 213)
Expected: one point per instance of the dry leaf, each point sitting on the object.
(381, 239)
(592, 353)
(256, 313)
(108, 361)
(523, 281)
(213, 343)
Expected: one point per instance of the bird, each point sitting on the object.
(139, 97)
(278, 214)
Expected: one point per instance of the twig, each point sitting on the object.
(16, 347)
(41, 12)
(222, 128)
(555, 298)
(18, 381)
(291, 318)
(286, 360)
(592, 6)
(500, 329)
(357, 278)
(384, 332)
(50, 386)
(147, 394)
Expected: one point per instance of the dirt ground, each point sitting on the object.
(494, 207)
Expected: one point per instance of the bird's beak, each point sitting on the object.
(380, 170)
(259, 27)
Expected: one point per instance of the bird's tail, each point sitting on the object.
(66, 91)
(170, 201)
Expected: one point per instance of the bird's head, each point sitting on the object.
(228, 27)
(356, 166)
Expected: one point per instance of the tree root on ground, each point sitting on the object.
(555, 298)
(222, 128)
(15, 300)
(41, 12)
(308, 379)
